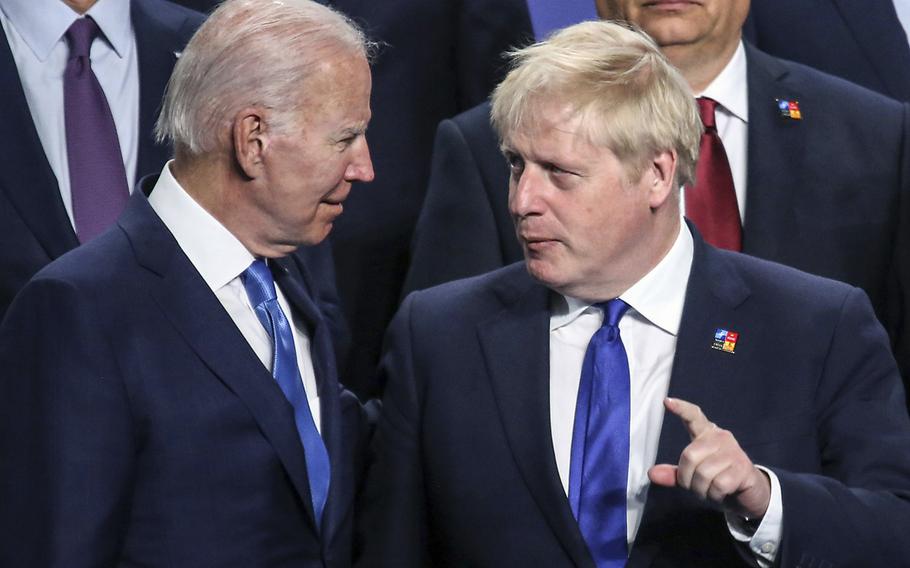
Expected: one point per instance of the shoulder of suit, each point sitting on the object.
(785, 283)
(477, 294)
(99, 266)
(184, 20)
(475, 117)
(821, 85)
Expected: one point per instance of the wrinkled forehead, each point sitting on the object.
(539, 114)
(547, 120)
(342, 80)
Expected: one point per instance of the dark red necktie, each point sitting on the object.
(711, 202)
(97, 175)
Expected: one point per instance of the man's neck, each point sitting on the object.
(80, 6)
(699, 67)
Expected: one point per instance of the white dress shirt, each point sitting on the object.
(902, 7)
(731, 92)
(649, 331)
(220, 259)
(35, 30)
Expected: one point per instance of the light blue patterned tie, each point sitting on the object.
(260, 288)
(599, 467)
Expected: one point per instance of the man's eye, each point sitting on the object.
(515, 162)
(557, 170)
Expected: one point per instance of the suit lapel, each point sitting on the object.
(877, 30)
(714, 292)
(289, 279)
(775, 157)
(199, 317)
(157, 41)
(25, 174)
(516, 349)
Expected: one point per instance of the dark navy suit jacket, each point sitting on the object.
(436, 59)
(466, 475)
(860, 40)
(138, 428)
(34, 226)
(827, 194)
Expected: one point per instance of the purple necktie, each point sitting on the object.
(97, 175)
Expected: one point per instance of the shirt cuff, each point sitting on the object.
(762, 541)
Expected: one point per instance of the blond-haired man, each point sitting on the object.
(630, 395)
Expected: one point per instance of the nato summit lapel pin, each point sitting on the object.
(725, 340)
(789, 109)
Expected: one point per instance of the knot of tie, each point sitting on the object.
(613, 311)
(706, 109)
(257, 279)
(80, 36)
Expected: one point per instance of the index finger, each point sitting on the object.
(691, 415)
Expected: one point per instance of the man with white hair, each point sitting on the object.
(631, 395)
(169, 395)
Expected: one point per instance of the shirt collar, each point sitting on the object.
(42, 23)
(215, 252)
(658, 296)
(728, 88)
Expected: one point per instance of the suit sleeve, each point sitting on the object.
(456, 233)
(66, 434)
(392, 522)
(855, 513)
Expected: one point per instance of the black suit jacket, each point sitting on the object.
(34, 226)
(827, 194)
(859, 40)
(138, 427)
(436, 59)
(465, 472)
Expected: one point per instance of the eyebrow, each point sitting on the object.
(354, 130)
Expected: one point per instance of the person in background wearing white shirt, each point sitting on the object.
(630, 395)
(49, 171)
(169, 395)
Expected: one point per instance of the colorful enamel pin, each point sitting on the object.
(789, 109)
(725, 340)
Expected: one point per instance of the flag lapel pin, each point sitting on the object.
(725, 340)
(789, 109)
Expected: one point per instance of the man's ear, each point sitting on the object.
(660, 177)
(248, 132)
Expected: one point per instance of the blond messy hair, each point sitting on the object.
(613, 77)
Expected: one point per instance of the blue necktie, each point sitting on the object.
(599, 467)
(260, 288)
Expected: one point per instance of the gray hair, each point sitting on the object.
(629, 97)
(256, 53)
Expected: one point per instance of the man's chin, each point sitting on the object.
(544, 272)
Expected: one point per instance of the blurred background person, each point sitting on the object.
(82, 85)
